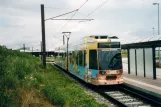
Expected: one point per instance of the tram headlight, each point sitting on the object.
(102, 72)
(119, 71)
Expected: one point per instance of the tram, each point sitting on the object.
(96, 60)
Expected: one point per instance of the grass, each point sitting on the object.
(50, 58)
(68, 93)
(124, 53)
(158, 65)
(23, 82)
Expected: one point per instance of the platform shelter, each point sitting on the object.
(142, 56)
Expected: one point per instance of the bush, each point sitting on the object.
(52, 93)
(22, 71)
(5, 98)
(14, 66)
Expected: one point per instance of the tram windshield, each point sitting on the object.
(109, 60)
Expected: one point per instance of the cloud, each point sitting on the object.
(20, 20)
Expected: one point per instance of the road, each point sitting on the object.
(125, 68)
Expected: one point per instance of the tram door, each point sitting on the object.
(93, 59)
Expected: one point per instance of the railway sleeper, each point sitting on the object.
(111, 92)
(134, 103)
(123, 97)
(127, 100)
(143, 105)
(116, 94)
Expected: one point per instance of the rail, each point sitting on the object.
(121, 95)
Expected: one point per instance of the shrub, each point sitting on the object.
(22, 71)
(14, 66)
(52, 93)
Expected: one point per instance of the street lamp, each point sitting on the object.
(153, 31)
(158, 16)
(67, 34)
(158, 29)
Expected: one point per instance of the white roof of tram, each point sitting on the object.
(77, 44)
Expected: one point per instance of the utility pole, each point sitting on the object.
(43, 36)
(32, 49)
(67, 44)
(43, 30)
(24, 47)
(41, 49)
(63, 40)
(67, 52)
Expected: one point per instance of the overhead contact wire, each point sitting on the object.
(73, 16)
(96, 8)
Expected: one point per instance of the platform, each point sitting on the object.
(141, 82)
(145, 83)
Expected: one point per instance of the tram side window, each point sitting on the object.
(77, 58)
(84, 58)
(80, 58)
(80, 53)
(73, 57)
(93, 59)
(63, 56)
(70, 57)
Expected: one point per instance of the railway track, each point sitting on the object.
(123, 99)
(122, 95)
(125, 96)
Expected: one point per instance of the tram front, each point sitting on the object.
(109, 63)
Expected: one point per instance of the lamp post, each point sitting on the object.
(153, 31)
(158, 29)
(67, 34)
(158, 17)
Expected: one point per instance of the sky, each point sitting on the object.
(20, 21)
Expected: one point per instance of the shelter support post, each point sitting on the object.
(128, 58)
(154, 63)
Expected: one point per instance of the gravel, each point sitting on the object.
(99, 98)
